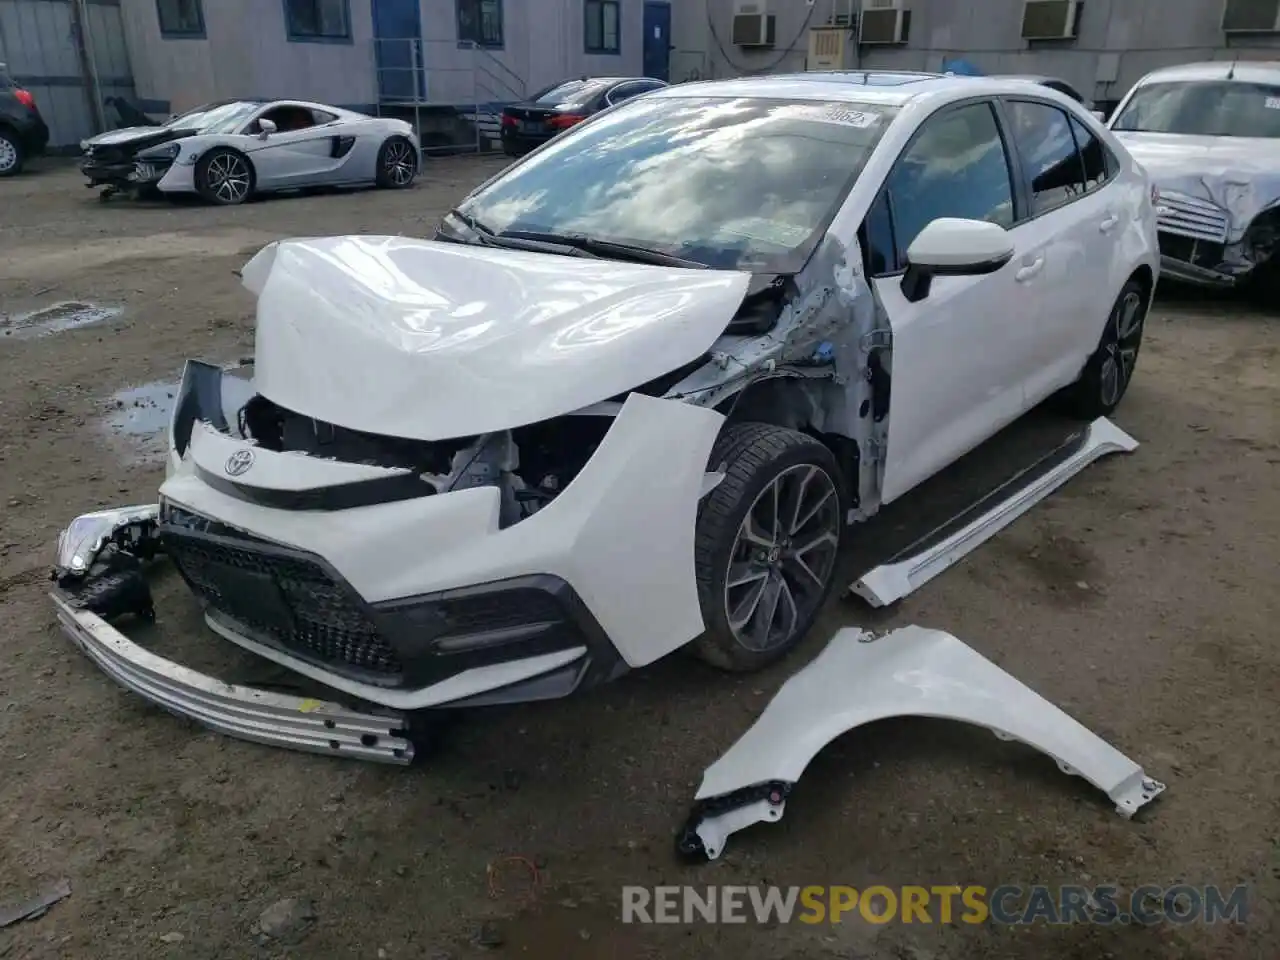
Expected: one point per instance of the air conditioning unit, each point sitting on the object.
(753, 25)
(1251, 16)
(884, 22)
(845, 17)
(830, 48)
(1051, 19)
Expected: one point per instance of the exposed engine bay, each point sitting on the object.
(531, 464)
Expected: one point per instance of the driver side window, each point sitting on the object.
(956, 166)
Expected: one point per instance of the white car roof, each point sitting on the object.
(864, 86)
(1248, 71)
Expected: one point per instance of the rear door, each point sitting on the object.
(957, 363)
(1074, 223)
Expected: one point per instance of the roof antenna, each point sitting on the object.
(1231, 73)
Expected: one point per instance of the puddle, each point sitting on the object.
(68, 315)
(141, 415)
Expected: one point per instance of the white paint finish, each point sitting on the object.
(621, 533)
(949, 242)
(212, 451)
(890, 582)
(469, 339)
(916, 672)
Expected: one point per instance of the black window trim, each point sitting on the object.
(1111, 163)
(1013, 161)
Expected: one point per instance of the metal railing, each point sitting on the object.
(447, 86)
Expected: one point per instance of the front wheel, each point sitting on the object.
(1108, 372)
(224, 177)
(397, 164)
(766, 544)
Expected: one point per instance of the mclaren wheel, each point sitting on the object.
(224, 177)
(767, 542)
(397, 164)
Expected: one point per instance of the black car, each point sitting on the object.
(23, 132)
(532, 122)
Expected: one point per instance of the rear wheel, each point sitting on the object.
(397, 164)
(11, 154)
(224, 177)
(1108, 372)
(766, 545)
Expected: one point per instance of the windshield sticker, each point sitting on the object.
(1273, 103)
(844, 116)
(760, 230)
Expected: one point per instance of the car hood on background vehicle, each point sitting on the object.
(137, 136)
(1239, 173)
(429, 340)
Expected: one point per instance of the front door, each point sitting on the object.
(397, 45)
(958, 359)
(657, 40)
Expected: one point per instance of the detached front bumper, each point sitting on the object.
(261, 716)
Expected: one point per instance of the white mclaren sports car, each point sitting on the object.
(231, 150)
(634, 395)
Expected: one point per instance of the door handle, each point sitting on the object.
(1030, 270)
(1109, 224)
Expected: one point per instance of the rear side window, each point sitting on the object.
(1043, 136)
(955, 167)
(1099, 165)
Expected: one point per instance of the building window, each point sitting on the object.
(602, 26)
(318, 21)
(480, 22)
(180, 18)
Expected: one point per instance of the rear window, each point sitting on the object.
(571, 91)
(6, 82)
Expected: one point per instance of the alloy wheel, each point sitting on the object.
(8, 155)
(1120, 355)
(783, 557)
(229, 178)
(399, 163)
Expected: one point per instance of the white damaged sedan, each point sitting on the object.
(632, 397)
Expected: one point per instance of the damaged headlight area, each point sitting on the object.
(100, 557)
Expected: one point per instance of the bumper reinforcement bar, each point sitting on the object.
(261, 716)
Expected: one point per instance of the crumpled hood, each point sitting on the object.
(1238, 173)
(136, 137)
(431, 340)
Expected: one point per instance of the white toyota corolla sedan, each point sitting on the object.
(633, 395)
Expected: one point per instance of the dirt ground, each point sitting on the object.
(1142, 599)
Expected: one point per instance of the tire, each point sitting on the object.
(1109, 371)
(12, 156)
(397, 164)
(759, 459)
(224, 177)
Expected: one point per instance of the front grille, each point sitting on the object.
(282, 597)
(1200, 253)
(105, 155)
(1187, 216)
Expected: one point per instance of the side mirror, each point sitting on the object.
(951, 247)
(1099, 115)
(266, 127)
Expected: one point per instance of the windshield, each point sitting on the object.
(571, 91)
(216, 118)
(733, 183)
(1211, 108)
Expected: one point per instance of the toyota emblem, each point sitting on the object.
(239, 462)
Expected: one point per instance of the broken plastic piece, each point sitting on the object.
(890, 582)
(34, 907)
(859, 679)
